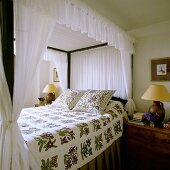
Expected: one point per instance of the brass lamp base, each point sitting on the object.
(158, 108)
(50, 97)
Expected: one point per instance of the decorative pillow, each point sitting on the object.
(116, 107)
(68, 98)
(94, 101)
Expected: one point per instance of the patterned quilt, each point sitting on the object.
(65, 139)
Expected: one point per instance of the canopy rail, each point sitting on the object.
(80, 49)
(88, 48)
(57, 49)
(69, 56)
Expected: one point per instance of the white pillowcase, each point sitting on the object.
(68, 99)
(94, 101)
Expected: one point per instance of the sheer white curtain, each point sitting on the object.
(99, 68)
(80, 17)
(5, 108)
(32, 31)
(126, 60)
(103, 68)
(61, 63)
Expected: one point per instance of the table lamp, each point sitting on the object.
(157, 93)
(50, 89)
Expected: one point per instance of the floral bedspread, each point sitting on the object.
(65, 139)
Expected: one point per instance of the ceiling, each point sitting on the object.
(65, 39)
(151, 30)
(132, 14)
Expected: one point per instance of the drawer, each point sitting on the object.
(140, 135)
(162, 143)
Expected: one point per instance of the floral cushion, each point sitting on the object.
(116, 106)
(94, 101)
(68, 98)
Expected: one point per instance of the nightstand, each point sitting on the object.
(147, 148)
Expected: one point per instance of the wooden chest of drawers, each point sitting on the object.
(148, 148)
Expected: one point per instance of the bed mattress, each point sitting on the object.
(61, 139)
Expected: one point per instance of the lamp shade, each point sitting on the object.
(157, 93)
(50, 88)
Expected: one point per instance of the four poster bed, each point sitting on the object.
(69, 139)
(61, 139)
(55, 137)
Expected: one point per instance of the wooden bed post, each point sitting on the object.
(69, 68)
(7, 32)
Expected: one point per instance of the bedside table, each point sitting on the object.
(147, 148)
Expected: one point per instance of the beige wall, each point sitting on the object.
(146, 49)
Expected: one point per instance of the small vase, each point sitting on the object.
(152, 124)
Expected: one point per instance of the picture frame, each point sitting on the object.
(160, 69)
(55, 75)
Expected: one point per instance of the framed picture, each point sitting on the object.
(160, 69)
(55, 75)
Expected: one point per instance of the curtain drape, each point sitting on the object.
(32, 30)
(126, 60)
(103, 68)
(5, 108)
(99, 68)
(61, 63)
(80, 17)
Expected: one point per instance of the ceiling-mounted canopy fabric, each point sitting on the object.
(79, 17)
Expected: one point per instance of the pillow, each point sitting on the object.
(116, 107)
(123, 101)
(68, 98)
(94, 101)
